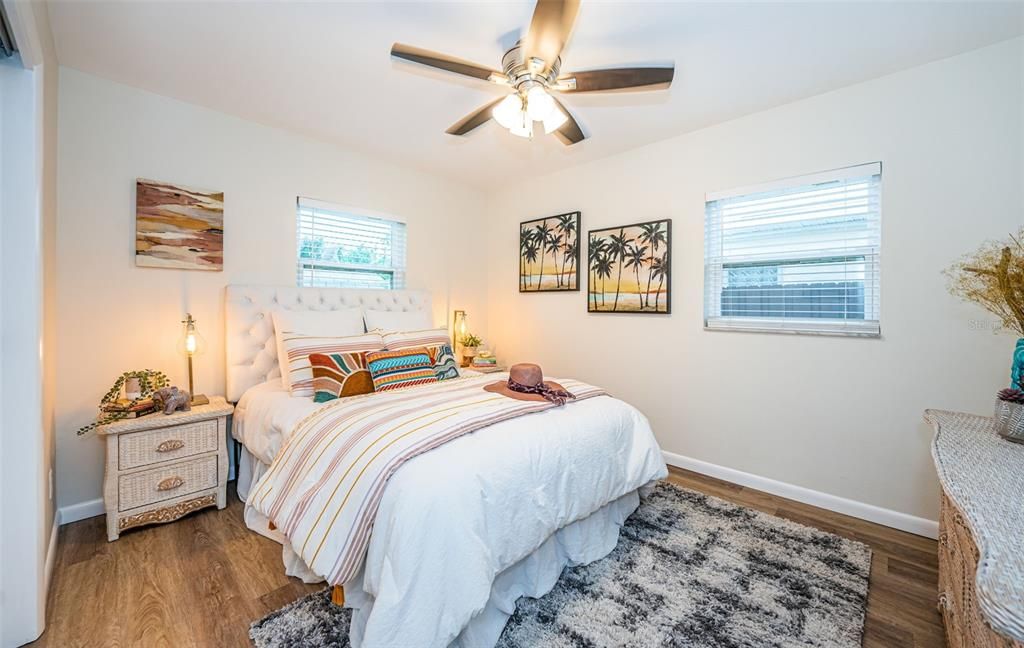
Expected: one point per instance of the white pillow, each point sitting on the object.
(398, 320)
(334, 323)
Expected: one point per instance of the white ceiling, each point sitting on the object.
(323, 69)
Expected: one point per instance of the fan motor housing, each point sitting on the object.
(523, 75)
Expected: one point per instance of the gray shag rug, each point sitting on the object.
(689, 570)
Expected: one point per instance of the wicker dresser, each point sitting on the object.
(981, 532)
(161, 467)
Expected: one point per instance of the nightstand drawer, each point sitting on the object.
(136, 449)
(166, 482)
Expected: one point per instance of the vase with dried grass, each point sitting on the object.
(993, 277)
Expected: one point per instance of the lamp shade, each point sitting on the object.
(192, 343)
(554, 120)
(509, 111)
(524, 128)
(539, 104)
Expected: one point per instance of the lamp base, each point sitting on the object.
(199, 399)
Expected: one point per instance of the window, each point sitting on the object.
(796, 256)
(339, 248)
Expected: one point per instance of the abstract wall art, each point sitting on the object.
(178, 227)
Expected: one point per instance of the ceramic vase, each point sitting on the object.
(1017, 370)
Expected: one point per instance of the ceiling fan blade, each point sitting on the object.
(443, 62)
(617, 79)
(570, 132)
(473, 119)
(549, 30)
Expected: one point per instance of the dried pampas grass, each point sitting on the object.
(993, 277)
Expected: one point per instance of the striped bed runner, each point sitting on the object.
(323, 489)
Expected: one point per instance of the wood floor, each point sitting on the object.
(202, 580)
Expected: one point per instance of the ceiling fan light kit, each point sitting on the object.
(517, 112)
(532, 69)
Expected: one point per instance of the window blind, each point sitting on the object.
(799, 256)
(340, 248)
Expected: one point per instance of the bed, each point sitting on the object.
(463, 530)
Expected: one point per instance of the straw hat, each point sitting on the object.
(526, 382)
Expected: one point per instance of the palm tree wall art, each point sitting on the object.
(636, 259)
(549, 253)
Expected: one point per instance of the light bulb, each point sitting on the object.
(554, 120)
(539, 104)
(508, 111)
(190, 343)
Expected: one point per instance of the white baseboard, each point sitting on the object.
(51, 553)
(81, 511)
(870, 512)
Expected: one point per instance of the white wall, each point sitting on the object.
(23, 499)
(836, 415)
(113, 316)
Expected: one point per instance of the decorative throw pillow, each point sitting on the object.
(337, 375)
(443, 359)
(398, 369)
(298, 348)
(438, 346)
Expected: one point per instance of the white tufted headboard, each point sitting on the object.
(249, 335)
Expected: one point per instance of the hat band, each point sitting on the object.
(556, 396)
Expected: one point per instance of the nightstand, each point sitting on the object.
(161, 467)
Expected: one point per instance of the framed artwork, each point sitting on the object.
(629, 268)
(549, 253)
(178, 227)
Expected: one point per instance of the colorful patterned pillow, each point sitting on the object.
(398, 369)
(338, 375)
(298, 348)
(438, 346)
(443, 359)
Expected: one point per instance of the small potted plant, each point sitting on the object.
(1010, 414)
(140, 386)
(469, 344)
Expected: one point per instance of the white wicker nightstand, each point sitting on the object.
(161, 467)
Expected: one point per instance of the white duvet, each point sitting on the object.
(465, 529)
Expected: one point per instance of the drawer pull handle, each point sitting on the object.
(170, 483)
(170, 445)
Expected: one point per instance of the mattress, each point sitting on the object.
(465, 529)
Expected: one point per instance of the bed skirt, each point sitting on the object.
(579, 543)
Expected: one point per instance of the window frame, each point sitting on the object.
(395, 271)
(718, 266)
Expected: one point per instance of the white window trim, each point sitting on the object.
(795, 326)
(355, 211)
(843, 173)
(313, 203)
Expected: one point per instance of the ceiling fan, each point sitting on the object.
(532, 69)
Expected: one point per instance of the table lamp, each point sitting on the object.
(458, 327)
(192, 344)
